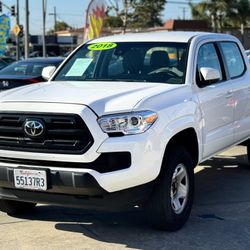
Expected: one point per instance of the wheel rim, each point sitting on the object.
(179, 188)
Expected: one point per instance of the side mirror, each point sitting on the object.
(48, 72)
(210, 74)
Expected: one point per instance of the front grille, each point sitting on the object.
(65, 133)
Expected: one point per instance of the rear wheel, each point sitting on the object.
(15, 207)
(170, 204)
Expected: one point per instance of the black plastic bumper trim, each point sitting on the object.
(106, 202)
(65, 182)
(106, 162)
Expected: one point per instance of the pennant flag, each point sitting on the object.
(4, 32)
(95, 15)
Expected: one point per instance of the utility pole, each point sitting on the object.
(184, 10)
(44, 29)
(55, 18)
(26, 29)
(17, 37)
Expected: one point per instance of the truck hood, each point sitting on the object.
(102, 97)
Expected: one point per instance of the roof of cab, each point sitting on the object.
(160, 36)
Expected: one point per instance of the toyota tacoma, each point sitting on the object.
(123, 122)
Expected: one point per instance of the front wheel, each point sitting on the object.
(15, 207)
(170, 204)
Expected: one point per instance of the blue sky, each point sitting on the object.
(73, 12)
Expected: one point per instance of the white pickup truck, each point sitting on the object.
(123, 122)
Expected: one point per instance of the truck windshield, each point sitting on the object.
(160, 62)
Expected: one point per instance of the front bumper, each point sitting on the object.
(65, 182)
(73, 189)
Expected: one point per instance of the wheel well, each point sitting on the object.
(188, 139)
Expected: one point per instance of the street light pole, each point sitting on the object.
(44, 29)
(17, 37)
(26, 29)
(55, 16)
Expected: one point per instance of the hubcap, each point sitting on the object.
(179, 189)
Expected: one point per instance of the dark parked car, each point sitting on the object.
(40, 54)
(25, 72)
(7, 59)
(3, 64)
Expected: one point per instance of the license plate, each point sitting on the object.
(30, 179)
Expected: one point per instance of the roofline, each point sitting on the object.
(172, 36)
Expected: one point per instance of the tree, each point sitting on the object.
(148, 13)
(119, 13)
(213, 11)
(134, 13)
(113, 21)
(223, 13)
(239, 13)
(60, 25)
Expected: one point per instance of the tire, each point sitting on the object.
(165, 210)
(15, 207)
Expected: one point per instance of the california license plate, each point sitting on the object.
(30, 179)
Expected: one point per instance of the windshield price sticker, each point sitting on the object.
(102, 46)
(79, 67)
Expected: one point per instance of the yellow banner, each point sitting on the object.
(96, 14)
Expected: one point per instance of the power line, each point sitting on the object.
(66, 14)
(6, 6)
(181, 2)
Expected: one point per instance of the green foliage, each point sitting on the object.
(239, 13)
(148, 14)
(113, 21)
(60, 25)
(134, 13)
(223, 13)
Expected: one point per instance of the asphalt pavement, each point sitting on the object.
(220, 218)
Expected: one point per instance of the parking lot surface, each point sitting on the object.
(220, 218)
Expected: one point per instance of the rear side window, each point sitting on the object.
(233, 57)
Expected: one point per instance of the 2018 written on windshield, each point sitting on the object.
(102, 46)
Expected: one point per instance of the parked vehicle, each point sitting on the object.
(3, 64)
(25, 72)
(67, 54)
(123, 122)
(7, 59)
(40, 54)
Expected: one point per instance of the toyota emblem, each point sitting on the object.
(34, 128)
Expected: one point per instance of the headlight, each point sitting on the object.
(128, 123)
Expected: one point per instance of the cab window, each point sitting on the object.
(233, 58)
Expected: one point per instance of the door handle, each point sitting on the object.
(229, 94)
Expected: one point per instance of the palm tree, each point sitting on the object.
(239, 13)
(222, 13)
